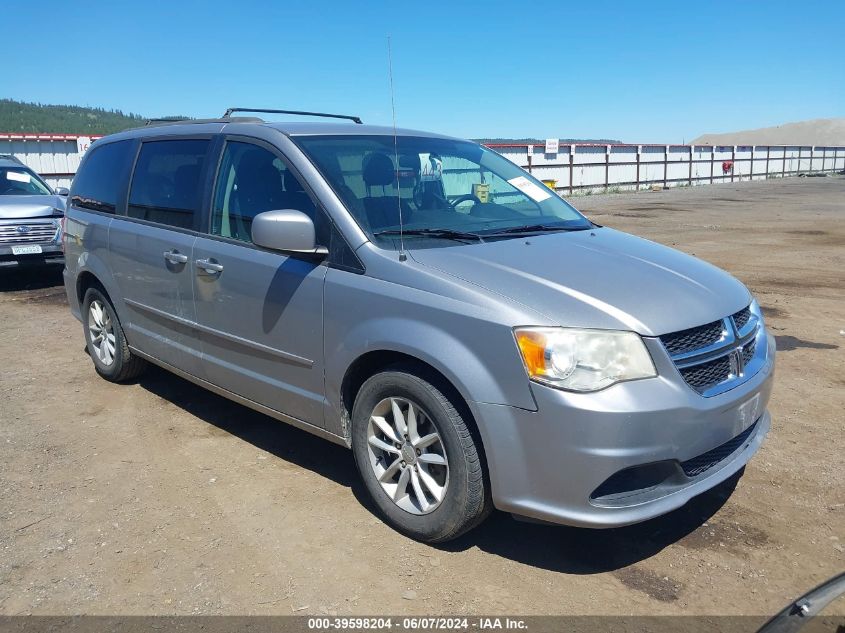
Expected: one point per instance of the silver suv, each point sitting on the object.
(30, 216)
(472, 338)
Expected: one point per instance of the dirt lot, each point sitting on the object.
(158, 497)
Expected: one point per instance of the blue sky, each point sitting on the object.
(642, 71)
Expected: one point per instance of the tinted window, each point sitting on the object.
(252, 180)
(166, 182)
(100, 180)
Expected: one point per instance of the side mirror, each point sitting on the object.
(287, 230)
(62, 191)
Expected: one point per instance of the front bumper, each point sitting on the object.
(549, 464)
(51, 253)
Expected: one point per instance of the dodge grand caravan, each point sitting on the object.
(474, 339)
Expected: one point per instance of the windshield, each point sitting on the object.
(17, 181)
(439, 185)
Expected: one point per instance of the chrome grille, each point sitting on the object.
(720, 355)
(742, 318)
(748, 351)
(699, 377)
(32, 234)
(693, 338)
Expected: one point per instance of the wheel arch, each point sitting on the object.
(85, 280)
(373, 362)
(96, 274)
(93, 271)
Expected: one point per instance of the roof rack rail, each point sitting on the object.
(155, 122)
(168, 119)
(299, 112)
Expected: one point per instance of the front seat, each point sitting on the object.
(382, 211)
(295, 195)
(259, 189)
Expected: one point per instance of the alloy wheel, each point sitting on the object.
(101, 330)
(407, 455)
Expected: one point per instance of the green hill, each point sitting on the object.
(17, 116)
(20, 116)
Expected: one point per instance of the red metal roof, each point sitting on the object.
(33, 136)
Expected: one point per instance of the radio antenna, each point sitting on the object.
(402, 256)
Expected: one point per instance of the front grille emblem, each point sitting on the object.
(736, 361)
(715, 357)
(23, 229)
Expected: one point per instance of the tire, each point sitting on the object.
(464, 499)
(110, 351)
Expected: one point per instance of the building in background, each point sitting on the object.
(570, 168)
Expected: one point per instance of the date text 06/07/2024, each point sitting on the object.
(416, 624)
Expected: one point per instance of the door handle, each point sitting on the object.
(175, 257)
(209, 266)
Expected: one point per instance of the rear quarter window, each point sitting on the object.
(100, 180)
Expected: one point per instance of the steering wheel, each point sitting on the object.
(467, 196)
(11, 189)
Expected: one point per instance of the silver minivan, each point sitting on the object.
(475, 340)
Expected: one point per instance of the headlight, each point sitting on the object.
(583, 360)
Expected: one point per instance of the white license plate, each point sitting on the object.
(26, 250)
(747, 413)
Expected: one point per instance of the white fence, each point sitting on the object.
(574, 168)
(592, 168)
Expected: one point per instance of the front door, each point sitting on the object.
(260, 313)
(150, 250)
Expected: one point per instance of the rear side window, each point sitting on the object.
(166, 183)
(99, 183)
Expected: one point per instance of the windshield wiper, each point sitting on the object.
(536, 228)
(447, 234)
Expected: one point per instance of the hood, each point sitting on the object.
(598, 279)
(20, 207)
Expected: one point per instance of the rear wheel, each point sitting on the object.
(417, 457)
(105, 340)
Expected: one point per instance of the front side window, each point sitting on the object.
(252, 180)
(166, 182)
(102, 177)
(435, 184)
(19, 181)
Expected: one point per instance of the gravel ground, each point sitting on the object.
(160, 498)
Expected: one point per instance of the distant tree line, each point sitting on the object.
(19, 116)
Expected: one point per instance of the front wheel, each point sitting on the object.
(417, 457)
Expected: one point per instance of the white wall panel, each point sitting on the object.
(596, 167)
